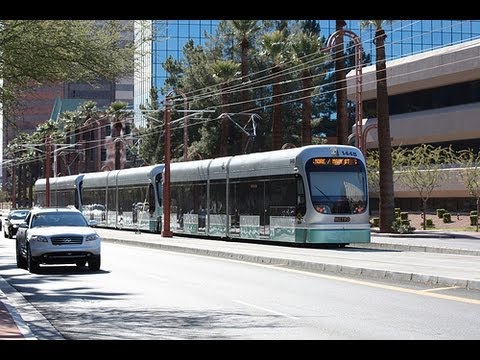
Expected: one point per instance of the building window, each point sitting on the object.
(103, 155)
(108, 130)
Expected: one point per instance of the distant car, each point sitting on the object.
(12, 221)
(57, 236)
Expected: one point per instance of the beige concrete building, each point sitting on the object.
(433, 72)
(434, 98)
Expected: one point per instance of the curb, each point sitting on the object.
(418, 248)
(376, 274)
(428, 234)
(31, 323)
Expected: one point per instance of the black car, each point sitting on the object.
(11, 222)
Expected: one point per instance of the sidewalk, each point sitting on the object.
(12, 325)
(8, 327)
(428, 257)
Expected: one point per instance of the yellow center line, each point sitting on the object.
(442, 288)
(383, 286)
(352, 281)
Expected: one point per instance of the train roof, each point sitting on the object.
(139, 175)
(269, 163)
(59, 183)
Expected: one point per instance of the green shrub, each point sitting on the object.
(429, 224)
(397, 212)
(375, 222)
(402, 227)
(473, 220)
(440, 213)
(447, 218)
(473, 212)
(404, 216)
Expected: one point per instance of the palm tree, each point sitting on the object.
(304, 45)
(225, 71)
(245, 30)
(387, 206)
(89, 119)
(71, 123)
(117, 111)
(275, 46)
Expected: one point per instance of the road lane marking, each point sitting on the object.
(361, 282)
(338, 278)
(266, 310)
(384, 286)
(442, 288)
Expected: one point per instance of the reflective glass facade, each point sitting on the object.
(408, 37)
(169, 38)
(404, 37)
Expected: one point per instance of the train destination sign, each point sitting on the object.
(335, 161)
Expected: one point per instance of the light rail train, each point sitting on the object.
(313, 194)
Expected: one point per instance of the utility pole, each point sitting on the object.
(14, 188)
(47, 170)
(185, 125)
(166, 179)
(331, 42)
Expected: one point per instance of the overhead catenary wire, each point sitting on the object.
(269, 105)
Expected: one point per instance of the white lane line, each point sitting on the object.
(266, 310)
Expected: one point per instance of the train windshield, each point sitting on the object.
(337, 185)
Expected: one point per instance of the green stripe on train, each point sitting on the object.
(334, 236)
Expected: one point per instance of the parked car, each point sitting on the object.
(12, 221)
(57, 236)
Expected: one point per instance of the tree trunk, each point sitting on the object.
(118, 130)
(387, 206)
(277, 123)
(244, 67)
(424, 201)
(341, 88)
(306, 109)
(478, 212)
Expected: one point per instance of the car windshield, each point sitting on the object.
(18, 215)
(58, 219)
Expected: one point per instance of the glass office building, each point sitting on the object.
(167, 38)
(404, 38)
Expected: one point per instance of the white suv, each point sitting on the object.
(57, 236)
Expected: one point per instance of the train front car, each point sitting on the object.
(336, 196)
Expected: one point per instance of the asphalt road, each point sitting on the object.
(144, 293)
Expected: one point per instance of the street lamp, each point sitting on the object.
(358, 80)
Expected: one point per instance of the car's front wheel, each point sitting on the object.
(21, 262)
(94, 263)
(32, 265)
